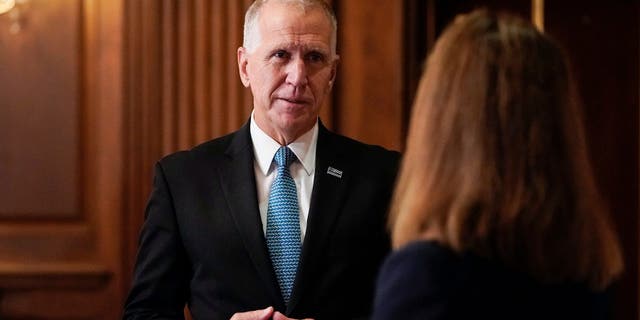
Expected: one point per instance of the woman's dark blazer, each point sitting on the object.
(427, 281)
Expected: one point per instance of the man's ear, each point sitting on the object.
(243, 60)
(334, 70)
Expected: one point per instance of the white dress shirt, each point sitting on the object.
(302, 171)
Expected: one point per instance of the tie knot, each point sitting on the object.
(284, 157)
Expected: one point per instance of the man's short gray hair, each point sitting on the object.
(252, 36)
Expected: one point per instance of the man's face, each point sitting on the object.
(291, 69)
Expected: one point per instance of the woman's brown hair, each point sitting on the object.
(496, 161)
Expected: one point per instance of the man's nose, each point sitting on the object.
(297, 72)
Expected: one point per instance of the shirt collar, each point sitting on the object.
(265, 148)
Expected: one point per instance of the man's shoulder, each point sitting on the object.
(205, 151)
(362, 149)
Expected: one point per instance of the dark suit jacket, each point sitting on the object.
(425, 280)
(202, 241)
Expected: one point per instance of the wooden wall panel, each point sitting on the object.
(61, 113)
(201, 74)
(62, 304)
(370, 81)
(608, 82)
(146, 99)
(39, 157)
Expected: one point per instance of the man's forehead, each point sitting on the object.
(288, 32)
(283, 13)
(293, 25)
(299, 44)
(288, 6)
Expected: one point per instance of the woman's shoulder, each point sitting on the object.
(425, 279)
(422, 267)
(426, 256)
(415, 282)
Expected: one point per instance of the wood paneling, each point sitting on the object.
(39, 157)
(602, 41)
(61, 161)
(370, 81)
(60, 304)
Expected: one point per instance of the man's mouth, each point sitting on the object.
(294, 100)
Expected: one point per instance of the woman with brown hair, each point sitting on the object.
(496, 214)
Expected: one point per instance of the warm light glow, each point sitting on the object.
(537, 13)
(6, 5)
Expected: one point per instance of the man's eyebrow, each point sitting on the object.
(318, 49)
(289, 46)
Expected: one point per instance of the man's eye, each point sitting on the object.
(280, 54)
(315, 57)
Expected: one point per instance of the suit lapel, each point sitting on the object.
(238, 182)
(332, 174)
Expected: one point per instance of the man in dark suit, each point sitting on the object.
(220, 234)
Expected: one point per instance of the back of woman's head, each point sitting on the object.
(496, 161)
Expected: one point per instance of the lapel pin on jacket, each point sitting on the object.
(334, 172)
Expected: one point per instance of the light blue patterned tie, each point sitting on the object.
(283, 223)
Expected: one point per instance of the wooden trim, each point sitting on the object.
(537, 13)
(49, 276)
